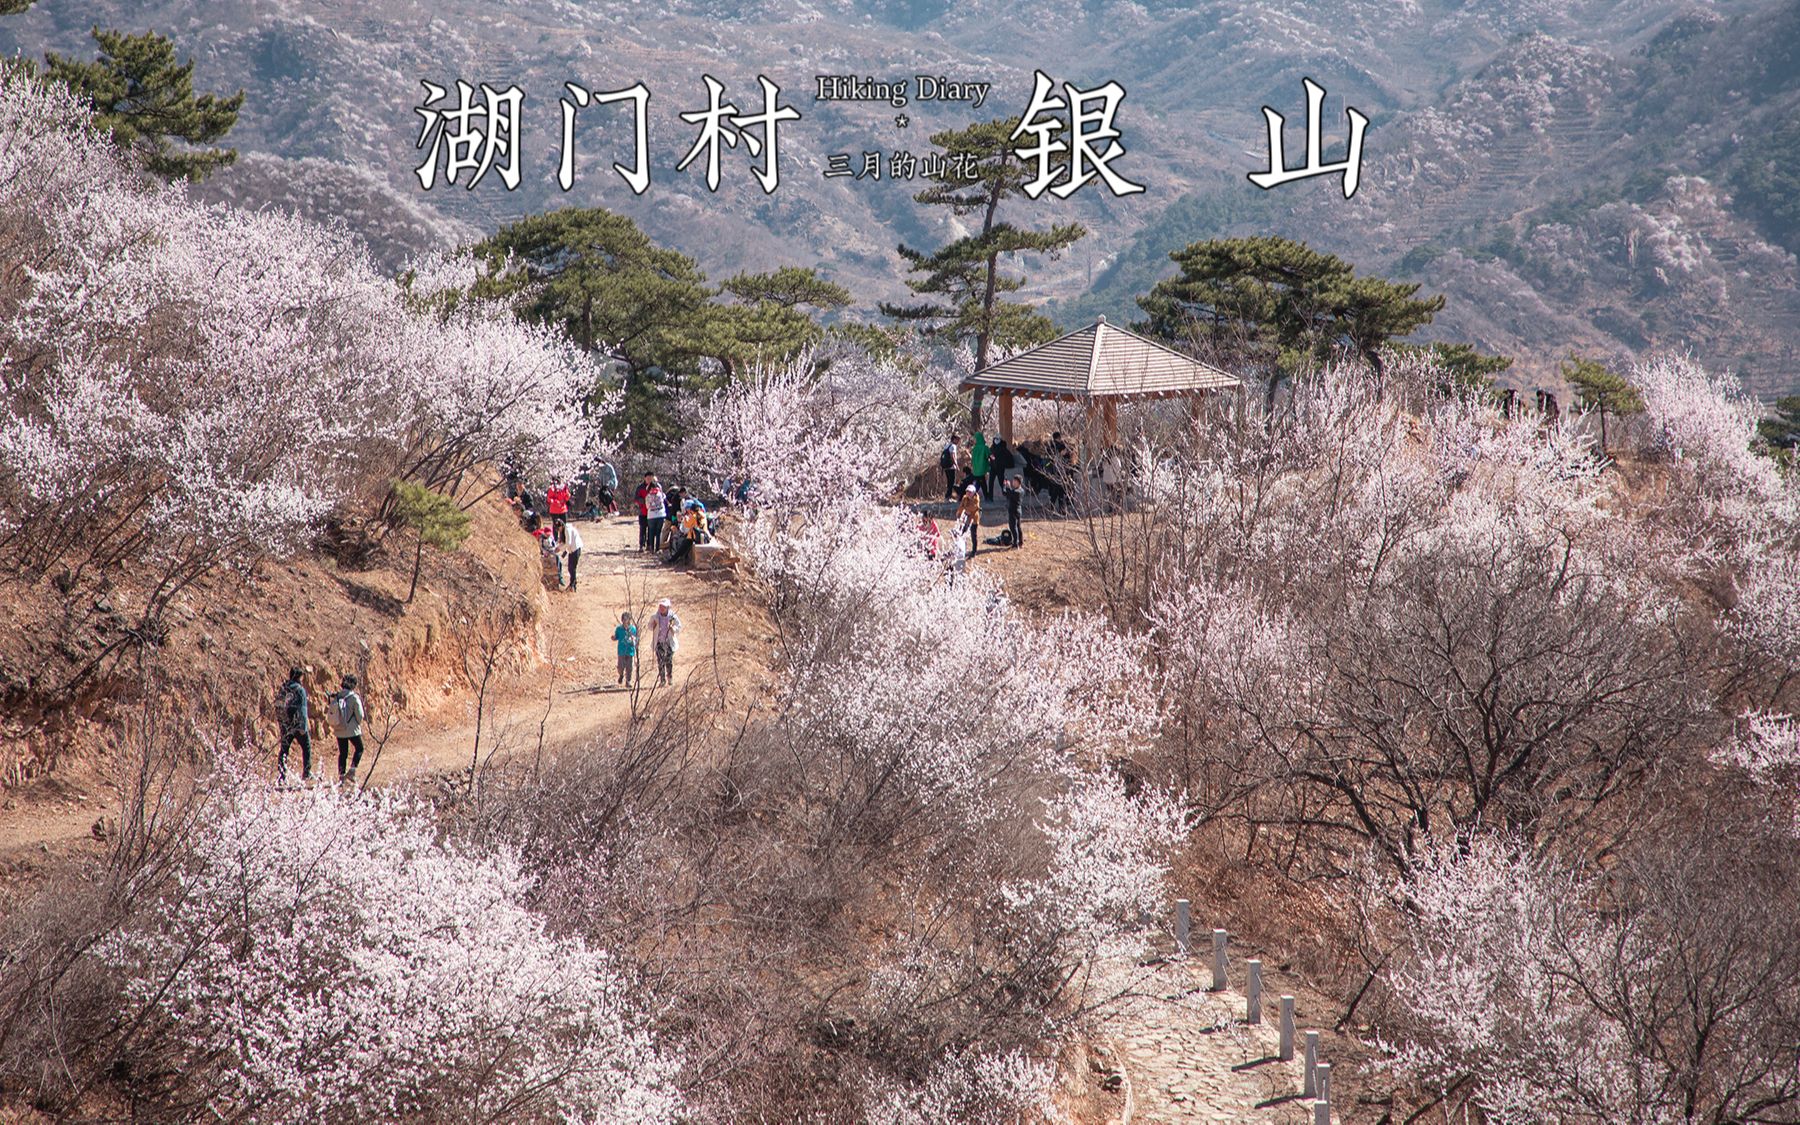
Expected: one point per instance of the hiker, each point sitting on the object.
(947, 462)
(643, 510)
(929, 534)
(556, 499)
(626, 634)
(609, 487)
(655, 511)
(966, 472)
(346, 715)
(290, 703)
(664, 626)
(968, 514)
(978, 463)
(549, 553)
(1000, 462)
(571, 547)
(674, 503)
(1012, 486)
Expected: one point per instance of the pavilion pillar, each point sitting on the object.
(1005, 412)
(1109, 420)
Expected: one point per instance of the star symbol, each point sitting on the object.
(900, 121)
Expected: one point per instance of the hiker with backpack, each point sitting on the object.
(346, 715)
(290, 705)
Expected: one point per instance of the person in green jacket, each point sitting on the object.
(978, 463)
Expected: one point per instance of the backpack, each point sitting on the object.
(290, 704)
(947, 459)
(343, 714)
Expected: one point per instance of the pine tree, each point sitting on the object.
(14, 7)
(1462, 366)
(434, 516)
(1605, 391)
(1281, 303)
(1782, 431)
(615, 292)
(765, 322)
(146, 100)
(965, 273)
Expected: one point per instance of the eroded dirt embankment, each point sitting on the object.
(73, 679)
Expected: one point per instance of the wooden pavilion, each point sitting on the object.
(1101, 366)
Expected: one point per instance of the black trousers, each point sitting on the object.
(1013, 503)
(950, 483)
(305, 741)
(643, 530)
(655, 533)
(574, 561)
(344, 745)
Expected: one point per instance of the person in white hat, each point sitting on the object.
(663, 628)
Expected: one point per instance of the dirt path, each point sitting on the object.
(570, 697)
(574, 696)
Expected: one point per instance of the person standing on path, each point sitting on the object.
(1000, 462)
(290, 703)
(663, 629)
(609, 487)
(1013, 488)
(978, 463)
(626, 636)
(571, 548)
(968, 514)
(947, 462)
(655, 511)
(643, 490)
(556, 500)
(346, 715)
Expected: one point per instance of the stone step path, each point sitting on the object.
(1188, 1056)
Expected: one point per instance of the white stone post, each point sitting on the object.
(1324, 1072)
(1183, 920)
(1287, 1028)
(1219, 975)
(1311, 1087)
(1253, 1002)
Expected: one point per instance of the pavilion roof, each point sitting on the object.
(1102, 361)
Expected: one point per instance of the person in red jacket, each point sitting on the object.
(557, 498)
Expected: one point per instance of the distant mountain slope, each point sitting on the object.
(1564, 171)
(1565, 198)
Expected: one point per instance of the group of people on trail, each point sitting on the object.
(1043, 467)
(343, 709)
(665, 627)
(671, 522)
(559, 539)
(982, 468)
